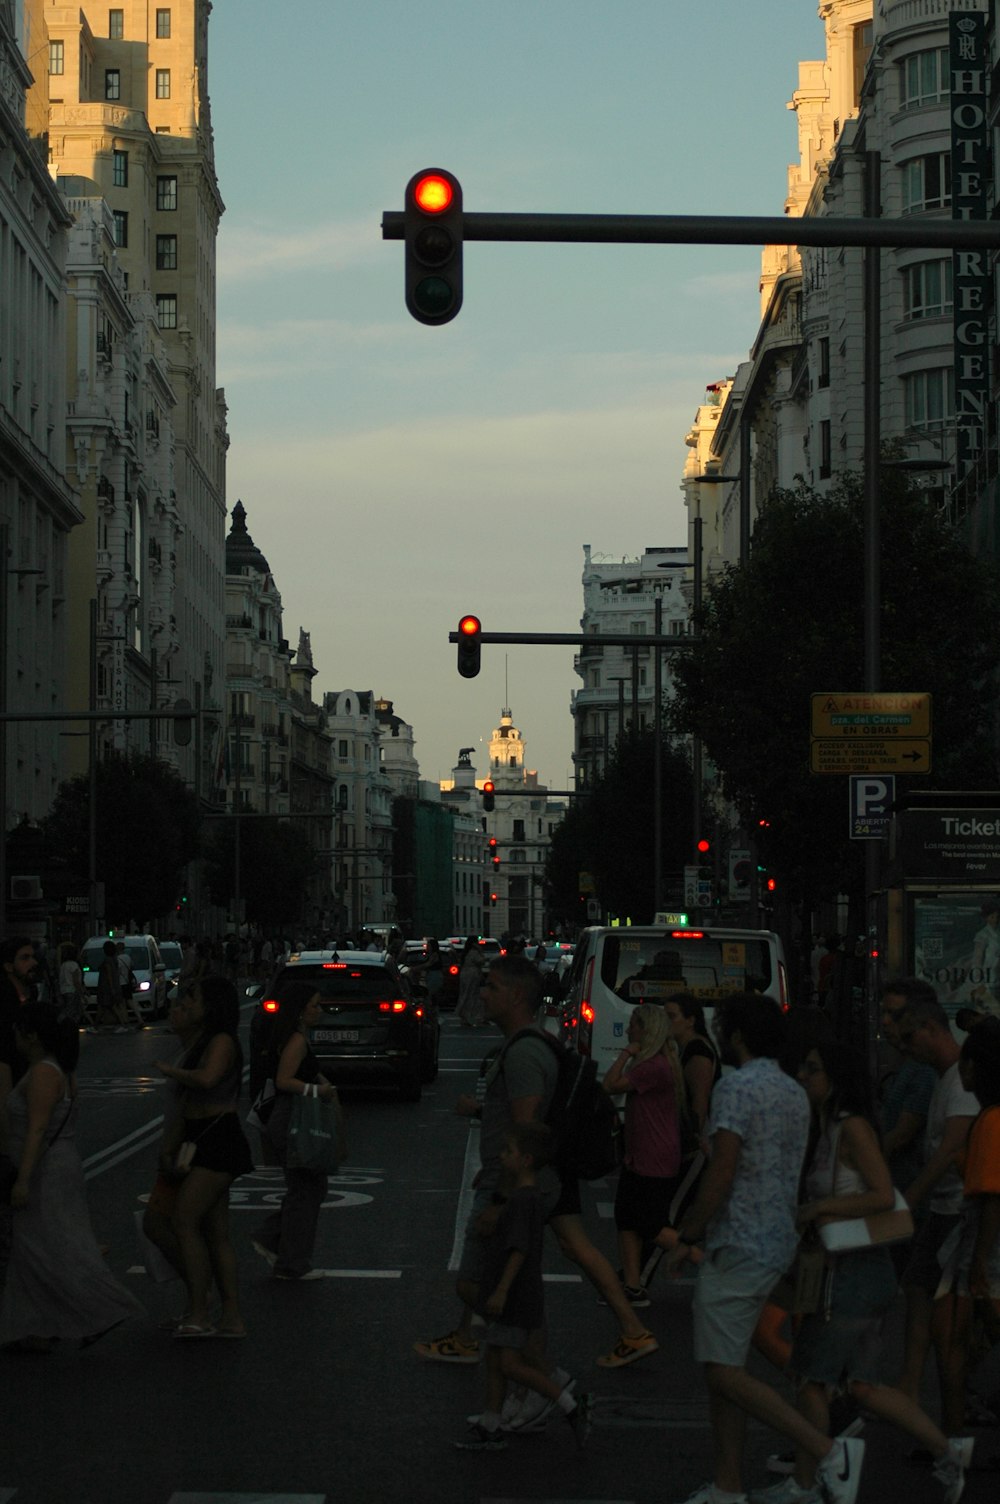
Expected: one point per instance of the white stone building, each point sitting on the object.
(39, 506)
(619, 598)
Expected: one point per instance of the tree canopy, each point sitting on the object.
(608, 833)
(147, 831)
(789, 623)
(276, 862)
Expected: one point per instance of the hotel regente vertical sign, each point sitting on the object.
(970, 175)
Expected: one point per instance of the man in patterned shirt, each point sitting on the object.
(745, 1215)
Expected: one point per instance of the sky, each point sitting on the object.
(398, 476)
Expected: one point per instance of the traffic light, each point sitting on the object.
(432, 229)
(182, 724)
(488, 792)
(469, 646)
(494, 853)
(493, 900)
(704, 847)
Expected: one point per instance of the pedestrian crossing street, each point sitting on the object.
(8, 1494)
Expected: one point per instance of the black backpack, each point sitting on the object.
(583, 1118)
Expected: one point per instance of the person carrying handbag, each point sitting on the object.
(288, 1236)
(839, 1345)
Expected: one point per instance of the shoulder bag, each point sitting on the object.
(847, 1234)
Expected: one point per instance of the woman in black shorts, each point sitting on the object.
(205, 1151)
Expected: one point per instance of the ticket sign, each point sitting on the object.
(846, 716)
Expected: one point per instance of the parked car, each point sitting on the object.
(614, 969)
(148, 970)
(373, 1028)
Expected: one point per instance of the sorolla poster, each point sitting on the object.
(956, 947)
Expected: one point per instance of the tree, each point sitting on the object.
(276, 863)
(789, 623)
(148, 825)
(610, 833)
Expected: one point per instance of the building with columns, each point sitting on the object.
(130, 144)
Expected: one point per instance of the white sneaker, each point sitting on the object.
(533, 1412)
(949, 1470)
(785, 1492)
(839, 1474)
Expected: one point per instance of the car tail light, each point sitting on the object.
(334, 965)
(586, 1011)
(270, 1005)
(397, 1005)
(453, 970)
(419, 1011)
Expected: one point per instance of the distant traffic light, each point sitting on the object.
(494, 853)
(493, 900)
(488, 792)
(704, 847)
(432, 231)
(470, 630)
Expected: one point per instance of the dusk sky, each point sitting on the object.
(397, 476)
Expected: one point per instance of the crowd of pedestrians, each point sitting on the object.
(732, 1171)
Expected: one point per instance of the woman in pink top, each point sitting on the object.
(648, 1072)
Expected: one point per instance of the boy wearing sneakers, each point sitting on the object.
(511, 1295)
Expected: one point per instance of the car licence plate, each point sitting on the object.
(336, 1036)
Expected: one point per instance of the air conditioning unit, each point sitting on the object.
(25, 889)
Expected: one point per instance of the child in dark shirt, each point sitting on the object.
(511, 1294)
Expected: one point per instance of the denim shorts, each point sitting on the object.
(729, 1296)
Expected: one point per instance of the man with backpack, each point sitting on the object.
(521, 1084)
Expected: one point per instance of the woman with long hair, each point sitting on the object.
(58, 1284)
(649, 1072)
(975, 1267)
(288, 1235)
(205, 1150)
(847, 1177)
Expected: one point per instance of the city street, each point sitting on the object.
(326, 1399)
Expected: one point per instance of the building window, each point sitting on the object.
(119, 169)
(825, 454)
(121, 227)
(927, 289)
(166, 310)
(927, 183)
(163, 83)
(166, 193)
(112, 83)
(162, 23)
(57, 57)
(116, 25)
(823, 371)
(166, 253)
(929, 398)
(342, 749)
(923, 78)
(863, 38)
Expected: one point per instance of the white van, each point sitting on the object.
(615, 969)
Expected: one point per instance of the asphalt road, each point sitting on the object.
(326, 1401)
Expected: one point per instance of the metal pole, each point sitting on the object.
(872, 528)
(657, 759)
(92, 776)
(635, 692)
(4, 640)
(152, 699)
(236, 834)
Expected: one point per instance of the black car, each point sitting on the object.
(373, 1029)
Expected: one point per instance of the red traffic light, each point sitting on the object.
(488, 792)
(772, 886)
(433, 193)
(704, 846)
(469, 646)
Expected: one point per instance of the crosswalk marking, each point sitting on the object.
(254, 1498)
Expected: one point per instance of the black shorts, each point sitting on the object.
(642, 1202)
(568, 1201)
(923, 1269)
(220, 1144)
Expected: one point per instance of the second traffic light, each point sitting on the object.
(488, 800)
(432, 232)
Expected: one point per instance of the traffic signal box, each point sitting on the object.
(469, 646)
(432, 232)
(488, 800)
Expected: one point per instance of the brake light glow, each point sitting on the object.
(334, 965)
(397, 1005)
(687, 934)
(270, 1005)
(587, 1013)
(453, 970)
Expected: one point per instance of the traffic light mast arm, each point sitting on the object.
(577, 639)
(717, 229)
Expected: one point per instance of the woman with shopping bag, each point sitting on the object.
(305, 1129)
(838, 1346)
